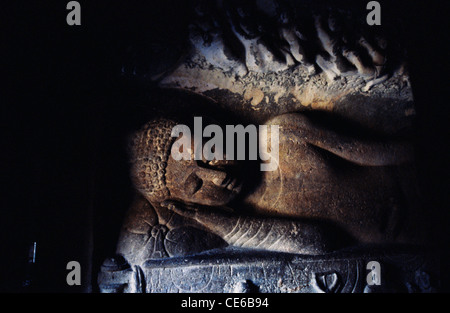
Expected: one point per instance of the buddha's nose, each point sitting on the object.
(215, 176)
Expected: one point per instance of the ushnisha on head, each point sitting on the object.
(158, 176)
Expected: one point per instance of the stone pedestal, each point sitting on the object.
(244, 271)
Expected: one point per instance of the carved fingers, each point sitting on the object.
(179, 208)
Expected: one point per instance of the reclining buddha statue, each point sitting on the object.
(344, 190)
(329, 191)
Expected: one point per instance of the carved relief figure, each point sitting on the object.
(327, 185)
(339, 92)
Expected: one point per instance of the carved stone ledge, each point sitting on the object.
(246, 271)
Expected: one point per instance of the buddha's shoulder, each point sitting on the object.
(289, 120)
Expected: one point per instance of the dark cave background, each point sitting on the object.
(67, 107)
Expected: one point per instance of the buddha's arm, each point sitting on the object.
(356, 150)
(266, 233)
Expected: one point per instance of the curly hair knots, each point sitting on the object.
(149, 150)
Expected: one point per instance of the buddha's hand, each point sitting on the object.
(180, 208)
(217, 221)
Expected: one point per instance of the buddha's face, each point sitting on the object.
(212, 183)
